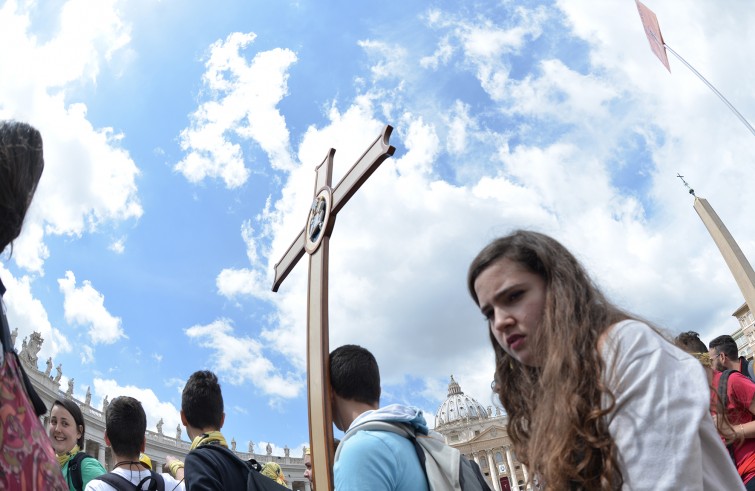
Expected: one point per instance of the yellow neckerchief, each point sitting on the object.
(274, 472)
(63, 458)
(704, 358)
(211, 437)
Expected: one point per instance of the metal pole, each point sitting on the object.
(720, 96)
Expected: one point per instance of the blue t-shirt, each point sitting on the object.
(378, 461)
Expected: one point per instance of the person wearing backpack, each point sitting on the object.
(374, 460)
(210, 465)
(725, 356)
(125, 428)
(66, 430)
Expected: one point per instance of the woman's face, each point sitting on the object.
(64, 433)
(512, 299)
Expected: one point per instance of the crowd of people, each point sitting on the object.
(596, 397)
(209, 465)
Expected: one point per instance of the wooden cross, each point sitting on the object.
(314, 239)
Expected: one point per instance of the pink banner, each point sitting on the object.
(653, 32)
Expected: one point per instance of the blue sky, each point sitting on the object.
(180, 147)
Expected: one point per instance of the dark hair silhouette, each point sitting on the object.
(21, 165)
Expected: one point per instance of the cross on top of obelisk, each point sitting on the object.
(314, 239)
(691, 191)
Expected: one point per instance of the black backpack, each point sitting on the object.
(723, 385)
(74, 470)
(255, 480)
(120, 483)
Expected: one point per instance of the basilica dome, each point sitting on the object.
(459, 407)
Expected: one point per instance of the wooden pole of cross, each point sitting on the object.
(314, 240)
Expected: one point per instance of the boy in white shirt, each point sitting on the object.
(125, 428)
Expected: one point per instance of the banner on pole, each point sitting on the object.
(653, 32)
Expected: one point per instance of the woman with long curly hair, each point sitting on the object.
(596, 399)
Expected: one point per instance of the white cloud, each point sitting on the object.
(242, 106)
(27, 314)
(88, 36)
(242, 360)
(485, 44)
(460, 123)
(400, 248)
(153, 406)
(176, 383)
(260, 448)
(441, 56)
(88, 31)
(562, 94)
(391, 59)
(118, 246)
(85, 306)
(234, 282)
(87, 354)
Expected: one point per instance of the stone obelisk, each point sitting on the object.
(738, 264)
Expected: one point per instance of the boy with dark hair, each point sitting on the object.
(724, 354)
(210, 465)
(374, 460)
(125, 428)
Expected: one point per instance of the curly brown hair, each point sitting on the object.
(557, 411)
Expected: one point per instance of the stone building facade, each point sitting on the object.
(745, 334)
(480, 434)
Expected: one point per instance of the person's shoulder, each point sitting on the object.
(632, 328)
(637, 337)
(97, 485)
(216, 463)
(736, 377)
(91, 463)
(91, 468)
(171, 482)
(368, 444)
(211, 453)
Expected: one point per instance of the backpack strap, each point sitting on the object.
(120, 483)
(723, 384)
(255, 480)
(397, 428)
(723, 396)
(157, 483)
(74, 470)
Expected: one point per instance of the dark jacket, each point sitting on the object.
(215, 468)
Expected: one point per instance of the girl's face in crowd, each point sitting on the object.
(64, 433)
(512, 300)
